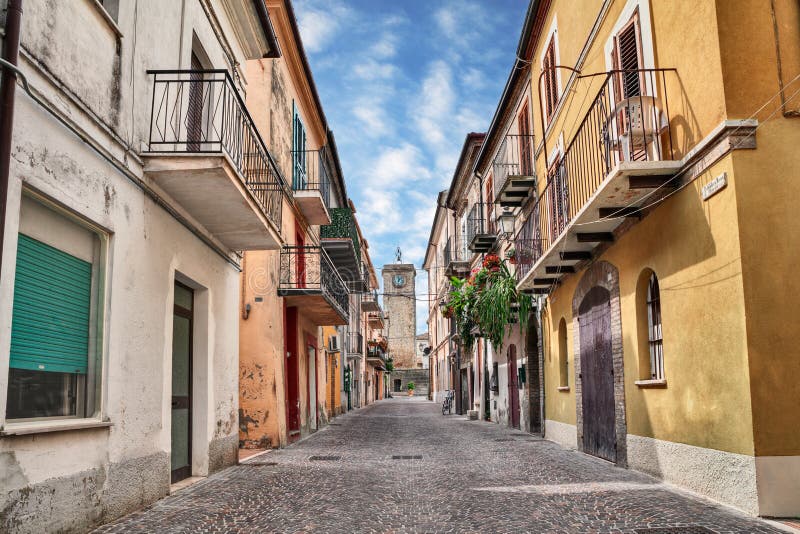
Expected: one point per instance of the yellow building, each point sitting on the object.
(292, 299)
(662, 232)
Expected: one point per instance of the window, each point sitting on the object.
(563, 361)
(489, 206)
(559, 198)
(525, 142)
(112, 8)
(54, 358)
(627, 57)
(299, 176)
(655, 339)
(550, 79)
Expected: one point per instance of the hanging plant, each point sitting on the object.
(488, 303)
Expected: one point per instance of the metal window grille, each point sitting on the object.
(654, 329)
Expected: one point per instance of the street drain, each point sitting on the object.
(324, 458)
(688, 529)
(407, 457)
(258, 464)
(504, 439)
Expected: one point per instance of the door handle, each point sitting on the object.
(175, 404)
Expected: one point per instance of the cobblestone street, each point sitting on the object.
(400, 466)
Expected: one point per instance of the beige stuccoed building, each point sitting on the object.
(128, 202)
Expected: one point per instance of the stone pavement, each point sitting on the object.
(400, 466)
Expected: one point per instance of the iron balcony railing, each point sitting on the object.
(514, 158)
(355, 343)
(201, 112)
(376, 351)
(310, 173)
(480, 220)
(455, 249)
(306, 269)
(613, 131)
(361, 285)
(343, 226)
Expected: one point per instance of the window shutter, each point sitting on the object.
(627, 46)
(52, 296)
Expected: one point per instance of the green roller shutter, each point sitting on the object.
(52, 296)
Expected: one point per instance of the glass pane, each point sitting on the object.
(181, 343)
(183, 297)
(42, 394)
(180, 438)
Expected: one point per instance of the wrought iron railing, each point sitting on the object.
(455, 249)
(514, 158)
(480, 220)
(343, 226)
(310, 173)
(376, 351)
(355, 343)
(613, 131)
(370, 296)
(201, 112)
(308, 269)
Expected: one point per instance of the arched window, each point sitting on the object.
(654, 329)
(563, 363)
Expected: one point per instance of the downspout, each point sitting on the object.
(8, 84)
(788, 113)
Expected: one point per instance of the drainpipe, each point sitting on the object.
(8, 84)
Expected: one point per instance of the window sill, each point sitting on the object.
(563, 388)
(651, 383)
(43, 427)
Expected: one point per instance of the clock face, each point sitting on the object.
(399, 280)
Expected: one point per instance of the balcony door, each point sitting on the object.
(194, 110)
(525, 143)
(312, 386)
(513, 388)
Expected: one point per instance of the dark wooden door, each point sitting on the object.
(513, 387)
(597, 374)
(194, 109)
(292, 375)
(181, 425)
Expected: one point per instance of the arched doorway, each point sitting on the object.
(597, 374)
(534, 376)
(513, 388)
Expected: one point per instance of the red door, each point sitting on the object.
(292, 375)
(597, 375)
(513, 387)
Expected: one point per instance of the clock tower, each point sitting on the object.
(399, 301)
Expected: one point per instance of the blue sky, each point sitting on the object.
(402, 83)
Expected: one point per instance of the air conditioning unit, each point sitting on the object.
(333, 343)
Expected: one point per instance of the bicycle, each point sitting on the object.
(447, 402)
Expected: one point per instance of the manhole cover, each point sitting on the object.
(688, 529)
(407, 457)
(324, 458)
(258, 464)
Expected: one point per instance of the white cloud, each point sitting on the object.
(396, 166)
(320, 21)
(386, 47)
(372, 116)
(371, 69)
(434, 105)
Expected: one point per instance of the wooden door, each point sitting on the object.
(292, 375)
(194, 110)
(181, 422)
(597, 374)
(513, 388)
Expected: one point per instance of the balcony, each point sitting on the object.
(311, 185)
(205, 152)
(481, 235)
(355, 344)
(310, 282)
(340, 240)
(361, 285)
(376, 320)
(456, 257)
(376, 355)
(619, 162)
(514, 179)
(369, 302)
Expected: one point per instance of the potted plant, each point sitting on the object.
(511, 256)
(410, 387)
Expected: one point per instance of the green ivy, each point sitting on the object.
(342, 226)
